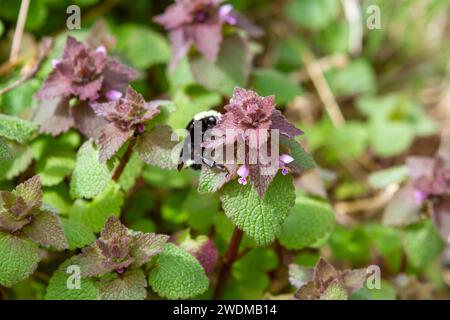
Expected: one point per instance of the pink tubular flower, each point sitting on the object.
(226, 14)
(55, 62)
(101, 49)
(113, 95)
(283, 161)
(243, 173)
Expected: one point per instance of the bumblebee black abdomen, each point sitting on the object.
(192, 153)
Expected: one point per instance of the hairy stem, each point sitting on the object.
(230, 257)
(125, 159)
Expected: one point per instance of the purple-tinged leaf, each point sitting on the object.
(54, 116)
(47, 230)
(113, 227)
(129, 286)
(30, 191)
(156, 148)
(404, 207)
(110, 141)
(281, 123)
(86, 121)
(441, 217)
(146, 245)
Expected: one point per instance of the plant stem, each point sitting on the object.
(124, 161)
(18, 33)
(230, 257)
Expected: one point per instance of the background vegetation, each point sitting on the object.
(365, 104)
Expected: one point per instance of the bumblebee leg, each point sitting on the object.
(212, 164)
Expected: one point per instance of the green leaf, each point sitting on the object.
(95, 213)
(211, 181)
(309, 225)
(21, 98)
(383, 178)
(313, 14)
(130, 286)
(423, 244)
(260, 219)
(157, 148)
(58, 197)
(250, 274)
(47, 230)
(350, 244)
(388, 243)
(177, 274)
(168, 179)
(78, 234)
(182, 76)
(142, 46)
(16, 129)
(55, 168)
(132, 171)
(20, 158)
(39, 16)
(385, 292)
(18, 259)
(302, 159)
(5, 154)
(334, 291)
(272, 82)
(201, 209)
(58, 288)
(231, 69)
(89, 176)
(353, 131)
(342, 81)
(334, 38)
(382, 133)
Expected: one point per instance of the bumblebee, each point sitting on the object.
(192, 146)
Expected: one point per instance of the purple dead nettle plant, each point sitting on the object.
(199, 23)
(324, 282)
(251, 128)
(431, 183)
(428, 190)
(82, 76)
(23, 214)
(119, 253)
(126, 118)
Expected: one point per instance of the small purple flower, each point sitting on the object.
(226, 14)
(283, 161)
(101, 49)
(243, 173)
(430, 176)
(420, 196)
(55, 62)
(141, 128)
(113, 95)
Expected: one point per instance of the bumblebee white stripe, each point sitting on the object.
(206, 114)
